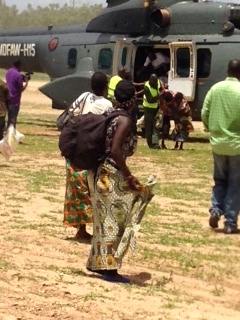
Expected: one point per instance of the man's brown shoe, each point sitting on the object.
(213, 220)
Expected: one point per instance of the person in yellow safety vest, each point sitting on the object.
(114, 81)
(152, 90)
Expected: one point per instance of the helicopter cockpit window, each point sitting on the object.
(204, 57)
(105, 58)
(183, 62)
(124, 56)
(72, 58)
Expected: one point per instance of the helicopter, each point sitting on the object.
(199, 37)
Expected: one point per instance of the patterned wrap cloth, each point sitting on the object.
(182, 116)
(117, 210)
(117, 213)
(77, 204)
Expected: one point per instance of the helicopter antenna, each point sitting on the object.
(75, 3)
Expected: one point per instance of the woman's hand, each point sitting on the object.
(133, 183)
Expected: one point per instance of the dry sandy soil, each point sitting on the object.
(43, 276)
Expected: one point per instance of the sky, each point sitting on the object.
(22, 4)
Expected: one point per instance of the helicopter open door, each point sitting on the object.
(123, 56)
(183, 68)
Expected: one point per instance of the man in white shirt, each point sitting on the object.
(156, 63)
(94, 102)
(156, 59)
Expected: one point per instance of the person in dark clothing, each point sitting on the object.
(4, 101)
(17, 83)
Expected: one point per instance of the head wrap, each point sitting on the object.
(124, 91)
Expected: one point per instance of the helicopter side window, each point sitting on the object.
(72, 58)
(124, 56)
(105, 58)
(183, 62)
(204, 57)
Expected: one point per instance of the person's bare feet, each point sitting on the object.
(82, 233)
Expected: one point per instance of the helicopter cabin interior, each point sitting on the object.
(187, 63)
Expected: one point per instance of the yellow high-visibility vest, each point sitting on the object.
(154, 93)
(112, 86)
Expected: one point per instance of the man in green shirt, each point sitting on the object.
(221, 117)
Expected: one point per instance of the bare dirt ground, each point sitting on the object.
(42, 270)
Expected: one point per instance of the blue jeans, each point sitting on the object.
(13, 111)
(226, 189)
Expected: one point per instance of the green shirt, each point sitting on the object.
(221, 116)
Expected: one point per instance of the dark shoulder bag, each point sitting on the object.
(64, 117)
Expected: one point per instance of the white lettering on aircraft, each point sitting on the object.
(17, 49)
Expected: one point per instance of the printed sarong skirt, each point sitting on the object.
(117, 213)
(77, 204)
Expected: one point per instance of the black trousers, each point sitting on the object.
(13, 111)
(149, 120)
(2, 126)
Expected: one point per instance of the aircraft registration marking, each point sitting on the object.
(17, 49)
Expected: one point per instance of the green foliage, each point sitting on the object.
(11, 18)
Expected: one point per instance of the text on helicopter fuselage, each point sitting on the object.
(17, 49)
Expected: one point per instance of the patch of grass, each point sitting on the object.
(6, 265)
(177, 192)
(39, 179)
(189, 261)
(237, 307)
(160, 285)
(29, 226)
(2, 290)
(51, 199)
(171, 304)
(218, 291)
(62, 271)
(49, 217)
(5, 214)
(93, 296)
(18, 199)
(174, 238)
(44, 145)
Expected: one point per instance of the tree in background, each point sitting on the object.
(11, 18)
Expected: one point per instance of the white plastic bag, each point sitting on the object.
(10, 142)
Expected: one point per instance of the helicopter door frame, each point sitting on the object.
(123, 56)
(183, 68)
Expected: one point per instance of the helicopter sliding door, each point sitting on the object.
(183, 68)
(123, 56)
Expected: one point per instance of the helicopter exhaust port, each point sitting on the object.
(161, 17)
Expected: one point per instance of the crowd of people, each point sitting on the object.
(115, 201)
(110, 197)
(160, 106)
